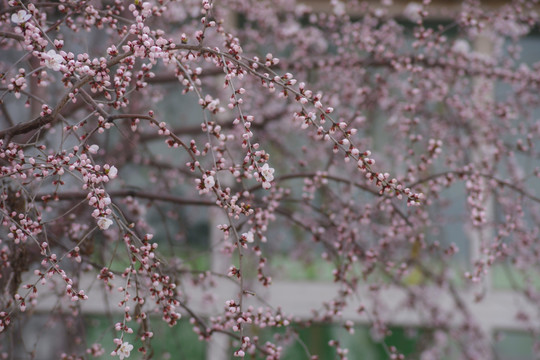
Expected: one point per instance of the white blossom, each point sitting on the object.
(113, 172)
(338, 7)
(53, 60)
(104, 222)
(209, 182)
(20, 17)
(93, 149)
(412, 11)
(124, 350)
(461, 46)
(267, 173)
(248, 236)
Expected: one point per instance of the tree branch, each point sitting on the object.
(75, 195)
